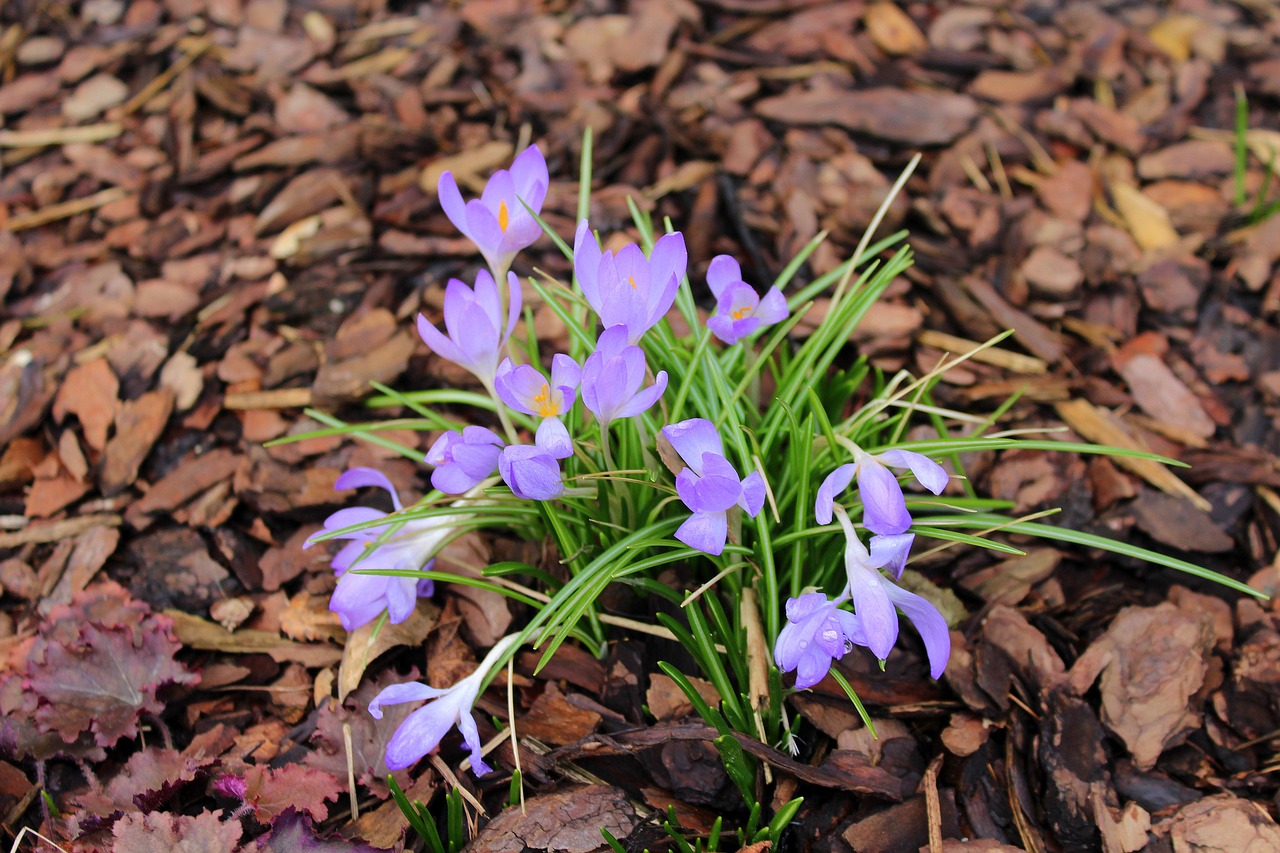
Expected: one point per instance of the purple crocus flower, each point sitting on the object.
(359, 599)
(817, 632)
(628, 289)
(474, 321)
(710, 485)
(739, 309)
(531, 471)
(612, 375)
(463, 459)
(884, 509)
(877, 599)
(497, 222)
(422, 731)
(524, 389)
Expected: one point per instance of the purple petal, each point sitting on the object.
(420, 733)
(358, 478)
(359, 599)
(554, 438)
(515, 303)
(723, 328)
(692, 438)
(452, 479)
(352, 516)
(519, 387)
(873, 607)
(772, 308)
(851, 627)
(884, 509)
(705, 532)
(646, 398)
(441, 450)
(686, 488)
(724, 270)
(890, 552)
(530, 472)
(804, 606)
(478, 460)
(486, 296)
(753, 494)
(929, 623)
(346, 555)
(451, 202)
(719, 487)
(398, 694)
(612, 341)
(835, 483)
(586, 263)
(565, 372)
(529, 175)
(499, 189)
(471, 737)
(669, 260)
(486, 233)
(402, 598)
(928, 473)
(477, 435)
(438, 343)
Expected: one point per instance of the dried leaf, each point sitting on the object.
(367, 642)
(293, 832)
(161, 832)
(567, 821)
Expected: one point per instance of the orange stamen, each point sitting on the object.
(504, 216)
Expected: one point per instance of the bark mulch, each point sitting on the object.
(214, 213)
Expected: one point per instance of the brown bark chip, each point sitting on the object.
(567, 821)
(138, 425)
(89, 392)
(1152, 661)
(1223, 824)
(915, 118)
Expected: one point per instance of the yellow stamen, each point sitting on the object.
(504, 216)
(543, 404)
(632, 281)
(740, 313)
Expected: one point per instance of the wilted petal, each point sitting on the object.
(884, 509)
(706, 532)
(928, 473)
(835, 483)
(929, 623)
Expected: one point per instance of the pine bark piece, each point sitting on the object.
(916, 118)
(138, 426)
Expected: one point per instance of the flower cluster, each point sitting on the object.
(630, 292)
(817, 631)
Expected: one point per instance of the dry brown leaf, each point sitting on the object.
(1145, 218)
(892, 31)
(201, 634)
(368, 642)
(138, 425)
(89, 392)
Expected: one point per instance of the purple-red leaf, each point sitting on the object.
(293, 833)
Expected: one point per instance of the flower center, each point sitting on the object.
(632, 281)
(543, 404)
(504, 216)
(740, 313)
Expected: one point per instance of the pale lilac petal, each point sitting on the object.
(398, 694)
(515, 303)
(851, 627)
(753, 494)
(471, 737)
(478, 340)
(873, 607)
(519, 386)
(451, 202)
(737, 296)
(930, 474)
(930, 625)
(402, 598)
(686, 487)
(692, 438)
(612, 341)
(719, 487)
(668, 261)
(723, 328)
(884, 509)
(705, 532)
(480, 435)
(420, 734)
(499, 188)
(358, 478)
(744, 327)
(554, 438)
(772, 308)
(724, 270)
(485, 231)
(351, 516)
(477, 459)
(453, 480)
(565, 372)
(530, 472)
(804, 606)
(890, 552)
(486, 296)
(346, 555)
(586, 263)
(438, 343)
(644, 399)
(359, 599)
(835, 483)
(622, 299)
(440, 451)
(529, 176)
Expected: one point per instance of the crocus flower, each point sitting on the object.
(612, 375)
(817, 632)
(875, 596)
(359, 599)
(497, 222)
(531, 472)
(421, 731)
(463, 459)
(739, 309)
(628, 289)
(884, 509)
(710, 485)
(524, 389)
(474, 321)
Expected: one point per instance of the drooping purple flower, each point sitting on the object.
(876, 598)
(497, 222)
(477, 330)
(739, 309)
(710, 485)
(525, 389)
(422, 731)
(817, 632)
(463, 459)
(532, 471)
(626, 288)
(884, 508)
(612, 375)
(359, 599)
